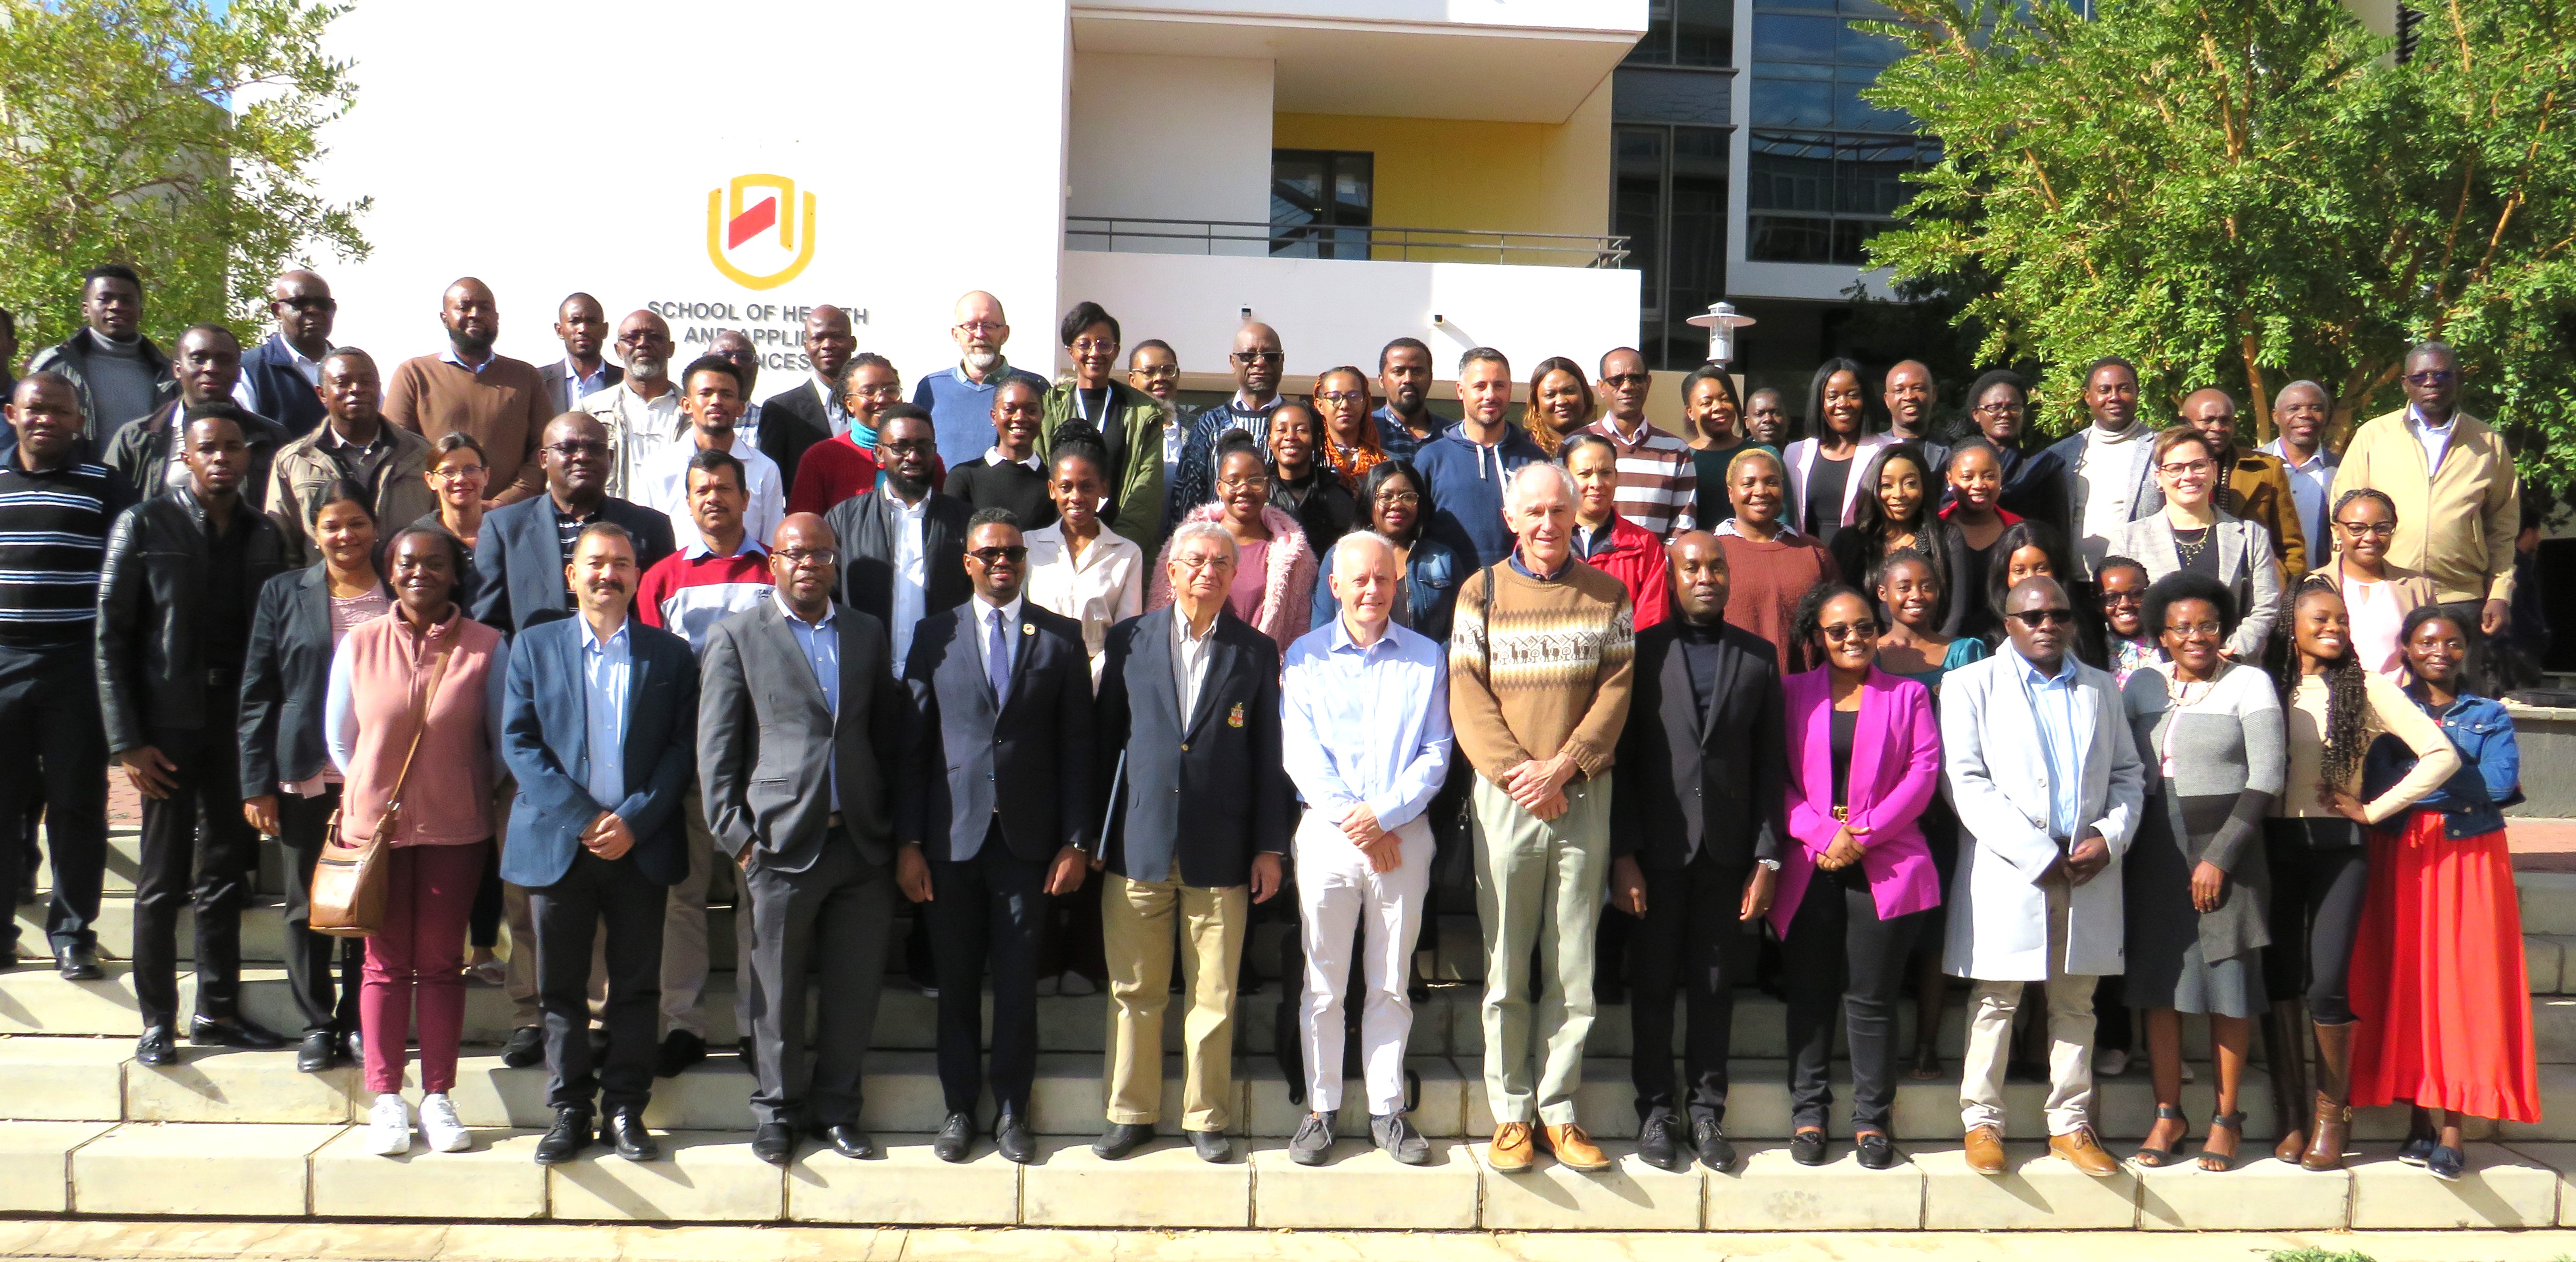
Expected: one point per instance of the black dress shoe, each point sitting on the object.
(241, 1032)
(158, 1046)
(625, 1129)
(1807, 1148)
(1011, 1135)
(851, 1142)
(567, 1138)
(526, 1047)
(1877, 1151)
(680, 1049)
(2417, 1150)
(317, 1052)
(774, 1142)
(1121, 1139)
(1710, 1139)
(353, 1047)
(956, 1136)
(1658, 1146)
(77, 963)
(1212, 1146)
(2447, 1163)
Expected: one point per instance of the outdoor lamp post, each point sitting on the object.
(1721, 321)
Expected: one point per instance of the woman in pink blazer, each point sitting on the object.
(1864, 761)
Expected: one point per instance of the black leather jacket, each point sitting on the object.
(151, 590)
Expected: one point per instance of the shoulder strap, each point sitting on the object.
(429, 697)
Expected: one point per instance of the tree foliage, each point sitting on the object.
(2247, 192)
(172, 135)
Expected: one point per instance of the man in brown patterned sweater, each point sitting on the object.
(1539, 666)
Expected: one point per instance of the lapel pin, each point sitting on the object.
(1234, 717)
(1028, 628)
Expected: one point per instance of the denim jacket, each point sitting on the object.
(1431, 578)
(2489, 778)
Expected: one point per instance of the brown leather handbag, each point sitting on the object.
(349, 877)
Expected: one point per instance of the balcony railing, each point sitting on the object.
(1401, 245)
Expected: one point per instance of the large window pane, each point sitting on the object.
(1703, 32)
(1848, 187)
(1784, 37)
(1656, 49)
(1320, 203)
(1640, 206)
(1781, 101)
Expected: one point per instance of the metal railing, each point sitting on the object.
(1402, 245)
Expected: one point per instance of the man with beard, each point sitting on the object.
(279, 377)
(960, 400)
(642, 412)
(902, 545)
(1406, 421)
(582, 325)
(812, 410)
(734, 347)
(499, 400)
(147, 451)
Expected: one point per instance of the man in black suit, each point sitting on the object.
(799, 721)
(1189, 743)
(903, 545)
(582, 325)
(595, 832)
(811, 410)
(1695, 835)
(1000, 690)
(521, 554)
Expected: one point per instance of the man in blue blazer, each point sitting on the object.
(600, 727)
(519, 558)
(1000, 690)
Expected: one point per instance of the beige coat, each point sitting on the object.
(302, 469)
(2455, 523)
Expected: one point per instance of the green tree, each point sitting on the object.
(2246, 192)
(174, 135)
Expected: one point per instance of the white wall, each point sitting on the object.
(1331, 312)
(547, 146)
(1612, 15)
(1170, 138)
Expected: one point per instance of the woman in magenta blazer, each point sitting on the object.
(1864, 761)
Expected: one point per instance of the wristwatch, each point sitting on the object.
(1772, 864)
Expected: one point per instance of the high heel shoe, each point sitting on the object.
(2159, 1158)
(2222, 1162)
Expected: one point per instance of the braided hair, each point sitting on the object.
(2347, 701)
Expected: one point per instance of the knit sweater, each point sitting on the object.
(1765, 582)
(1542, 667)
(505, 407)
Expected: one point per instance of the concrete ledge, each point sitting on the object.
(702, 1177)
(2037, 1191)
(35, 1164)
(214, 1085)
(1362, 1189)
(63, 1079)
(1439, 1113)
(1162, 1185)
(906, 1185)
(1629, 1196)
(497, 1178)
(2504, 1188)
(249, 1170)
(1771, 1192)
(2260, 1194)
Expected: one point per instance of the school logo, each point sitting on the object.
(759, 234)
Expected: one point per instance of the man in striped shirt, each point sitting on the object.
(1658, 482)
(56, 507)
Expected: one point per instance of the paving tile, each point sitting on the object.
(63, 1079)
(906, 1185)
(1770, 1192)
(498, 1178)
(1439, 1110)
(2036, 1191)
(2503, 1188)
(255, 1170)
(702, 1177)
(217, 1085)
(35, 1164)
(2260, 1194)
(2560, 1158)
(1161, 1185)
(1360, 1188)
(1630, 1196)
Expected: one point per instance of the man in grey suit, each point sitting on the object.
(799, 721)
(582, 325)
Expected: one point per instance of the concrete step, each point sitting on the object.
(289, 1171)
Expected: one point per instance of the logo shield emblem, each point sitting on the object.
(759, 234)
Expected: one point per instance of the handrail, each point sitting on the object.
(1104, 232)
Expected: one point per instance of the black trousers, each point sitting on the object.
(309, 954)
(199, 851)
(54, 749)
(1686, 943)
(2320, 878)
(831, 925)
(992, 906)
(568, 916)
(1837, 948)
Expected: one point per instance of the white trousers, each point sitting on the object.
(1338, 900)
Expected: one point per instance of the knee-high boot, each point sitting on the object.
(2285, 1048)
(2333, 1126)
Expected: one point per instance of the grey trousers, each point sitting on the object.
(829, 925)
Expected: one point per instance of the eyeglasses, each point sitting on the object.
(1842, 631)
(1258, 357)
(2431, 377)
(1340, 397)
(1014, 554)
(1237, 484)
(458, 475)
(1156, 372)
(799, 558)
(573, 450)
(911, 446)
(982, 326)
(2185, 468)
(2124, 598)
(1999, 409)
(643, 339)
(1194, 564)
(1093, 346)
(2196, 630)
(2037, 618)
(882, 390)
(1620, 381)
(1397, 499)
(2372, 529)
(310, 304)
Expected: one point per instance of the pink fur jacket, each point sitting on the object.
(1287, 590)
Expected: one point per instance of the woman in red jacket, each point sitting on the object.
(1607, 541)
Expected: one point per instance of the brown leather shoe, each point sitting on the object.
(1986, 1150)
(2084, 1152)
(1575, 1150)
(1511, 1152)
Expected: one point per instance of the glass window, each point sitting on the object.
(1818, 197)
(1698, 33)
(1784, 99)
(1785, 37)
(1639, 205)
(1320, 203)
(1671, 188)
(1656, 49)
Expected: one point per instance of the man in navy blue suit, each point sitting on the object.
(519, 557)
(600, 727)
(997, 817)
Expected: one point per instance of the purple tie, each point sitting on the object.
(997, 659)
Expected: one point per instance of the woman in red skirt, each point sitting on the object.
(2437, 976)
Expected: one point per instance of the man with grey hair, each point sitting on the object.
(1365, 731)
(1539, 677)
(642, 411)
(960, 400)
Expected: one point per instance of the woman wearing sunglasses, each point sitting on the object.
(2193, 535)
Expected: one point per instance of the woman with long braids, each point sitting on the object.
(2439, 980)
(2320, 868)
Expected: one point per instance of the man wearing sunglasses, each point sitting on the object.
(1257, 361)
(2046, 780)
(279, 377)
(2458, 504)
(1658, 479)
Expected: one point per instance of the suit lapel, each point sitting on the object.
(1152, 656)
(783, 649)
(1021, 652)
(2230, 536)
(1866, 743)
(1220, 662)
(314, 610)
(567, 655)
(639, 672)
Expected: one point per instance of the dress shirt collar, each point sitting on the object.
(2278, 450)
(580, 381)
(992, 377)
(1343, 643)
(330, 437)
(1242, 405)
(477, 369)
(303, 363)
(1610, 429)
(1727, 527)
(2065, 676)
(984, 610)
(701, 549)
(1527, 572)
(616, 642)
(2416, 419)
(993, 456)
(1181, 632)
(831, 612)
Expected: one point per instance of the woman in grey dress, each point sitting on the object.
(2195, 881)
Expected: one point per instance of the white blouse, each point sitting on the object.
(1101, 588)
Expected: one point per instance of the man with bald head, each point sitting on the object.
(960, 400)
(468, 389)
(278, 377)
(2299, 412)
(582, 325)
(641, 412)
(149, 451)
(2256, 488)
(1258, 363)
(1910, 395)
(811, 410)
(520, 555)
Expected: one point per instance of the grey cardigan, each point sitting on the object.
(2245, 564)
(2213, 771)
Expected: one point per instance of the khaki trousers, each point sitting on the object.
(2070, 1036)
(1136, 925)
(1539, 883)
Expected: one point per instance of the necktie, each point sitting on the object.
(997, 658)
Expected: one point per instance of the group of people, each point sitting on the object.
(2025, 714)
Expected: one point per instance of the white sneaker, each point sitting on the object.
(439, 1126)
(2111, 1062)
(1076, 984)
(389, 1126)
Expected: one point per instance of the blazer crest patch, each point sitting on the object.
(1234, 717)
